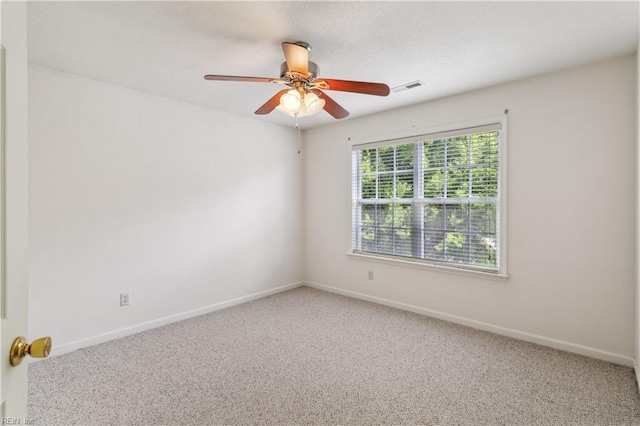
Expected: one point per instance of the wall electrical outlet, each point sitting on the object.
(370, 275)
(124, 299)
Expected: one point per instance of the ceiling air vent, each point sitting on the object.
(407, 86)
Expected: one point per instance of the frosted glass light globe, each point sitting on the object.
(313, 103)
(291, 101)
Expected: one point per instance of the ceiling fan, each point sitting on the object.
(305, 96)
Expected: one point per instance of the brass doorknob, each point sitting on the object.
(39, 348)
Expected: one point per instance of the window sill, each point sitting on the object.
(429, 267)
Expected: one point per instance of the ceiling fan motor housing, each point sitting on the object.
(292, 76)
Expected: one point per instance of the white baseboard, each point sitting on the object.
(521, 335)
(127, 331)
(635, 369)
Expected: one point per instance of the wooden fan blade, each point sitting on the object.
(271, 103)
(377, 89)
(239, 78)
(331, 106)
(297, 57)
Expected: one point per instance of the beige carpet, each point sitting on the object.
(310, 357)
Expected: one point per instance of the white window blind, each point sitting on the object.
(434, 198)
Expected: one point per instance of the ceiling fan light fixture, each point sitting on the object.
(313, 104)
(291, 102)
(295, 105)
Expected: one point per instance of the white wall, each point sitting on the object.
(181, 206)
(571, 204)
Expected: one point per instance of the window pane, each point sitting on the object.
(458, 151)
(456, 247)
(433, 183)
(483, 218)
(457, 183)
(433, 154)
(385, 240)
(384, 216)
(368, 160)
(484, 148)
(368, 238)
(433, 217)
(434, 245)
(368, 186)
(457, 217)
(404, 157)
(385, 159)
(484, 181)
(484, 250)
(404, 185)
(385, 186)
(403, 229)
(367, 214)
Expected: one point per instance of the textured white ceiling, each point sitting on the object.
(167, 47)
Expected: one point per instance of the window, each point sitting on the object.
(433, 199)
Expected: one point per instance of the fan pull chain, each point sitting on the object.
(299, 135)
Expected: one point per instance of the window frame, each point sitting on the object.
(437, 132)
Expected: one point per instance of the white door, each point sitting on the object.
(14, 208)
